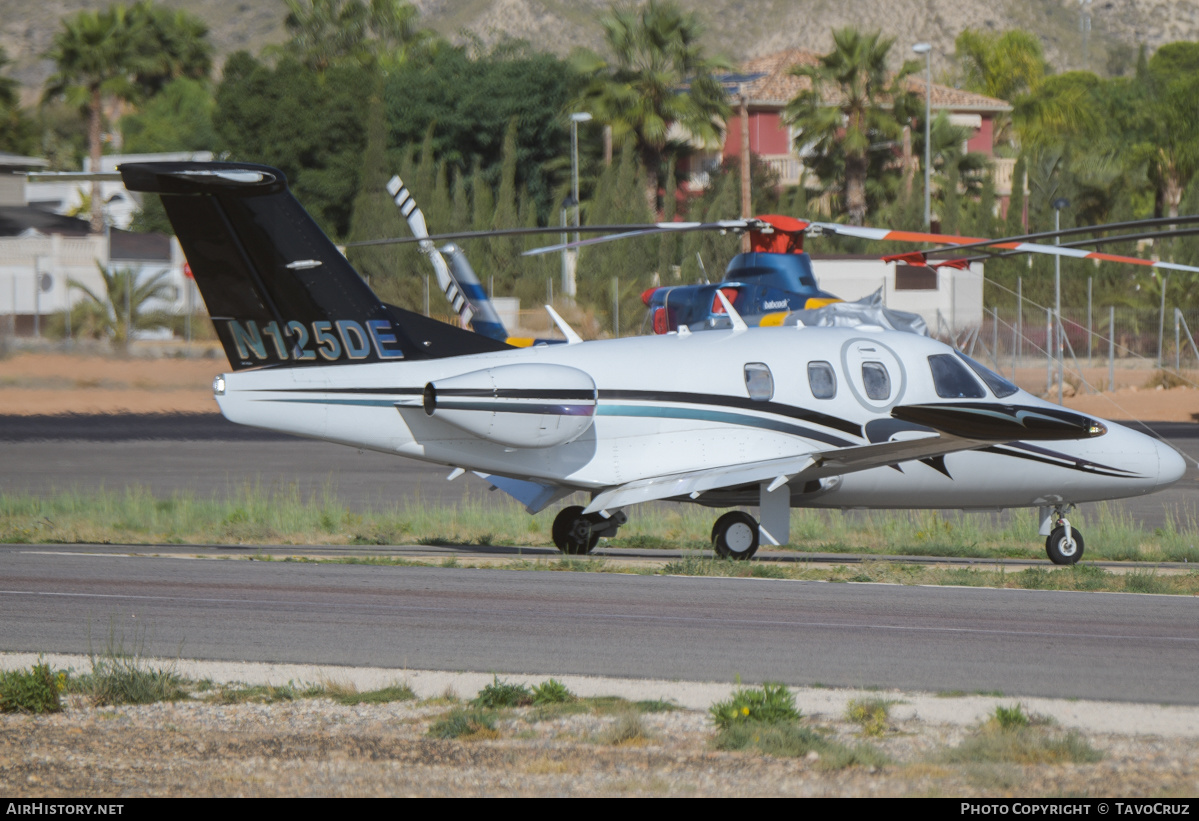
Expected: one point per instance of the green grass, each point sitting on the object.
(770, 703)
(503, 694)
(552, 691)
(467, 724)
(124, 674)
(254, 514)
(790, 739)
(1011, 736)
(36, 690)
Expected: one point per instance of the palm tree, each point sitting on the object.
(852, 110)
(659, 77)
(120, 309)
(97, 54)
(324, 32)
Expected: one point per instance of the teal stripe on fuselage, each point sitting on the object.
(724, 417)
(647, 411)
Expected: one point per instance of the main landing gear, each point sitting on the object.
(576, 533)
(735, 536)
(1064, 544)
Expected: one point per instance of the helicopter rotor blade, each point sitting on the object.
(978, 242)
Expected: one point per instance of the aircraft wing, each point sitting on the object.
(811, 465)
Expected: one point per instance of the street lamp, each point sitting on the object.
(927, 51)
(1058, 205)
(575, 119)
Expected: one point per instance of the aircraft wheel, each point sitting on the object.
(1062, 550)
(572, 532)
(735, 536)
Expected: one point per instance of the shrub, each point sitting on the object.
(465, 724)
(869, 714)
(767, 704)
(503, 694)
(552, 691)
(1010, 718)
(36, 690)
(628, 729)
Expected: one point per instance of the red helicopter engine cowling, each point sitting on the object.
(519, 406)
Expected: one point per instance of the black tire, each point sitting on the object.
(735, 536)
(572, 532)
(1062, 552)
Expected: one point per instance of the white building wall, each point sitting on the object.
(59, 259)
(958, 296)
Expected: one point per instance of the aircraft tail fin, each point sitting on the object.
(278, 290)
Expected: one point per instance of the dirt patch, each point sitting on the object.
(177, 380)
(51, 383)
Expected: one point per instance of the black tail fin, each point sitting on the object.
(278, 291)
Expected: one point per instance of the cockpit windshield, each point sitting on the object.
(951, 380)
(998, 385)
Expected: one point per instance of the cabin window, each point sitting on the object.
(952, 380)
(822, 380)
(877, 380)
(759, 382)
(998, 385)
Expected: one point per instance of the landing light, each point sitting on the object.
(218, 386)
(1096, 428)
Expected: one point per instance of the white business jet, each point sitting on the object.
(768, 417)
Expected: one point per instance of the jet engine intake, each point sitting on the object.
(520, 406)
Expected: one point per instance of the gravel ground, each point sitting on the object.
(316, 747)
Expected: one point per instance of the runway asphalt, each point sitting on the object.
(1021, 642)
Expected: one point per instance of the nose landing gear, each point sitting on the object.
(1064, 545)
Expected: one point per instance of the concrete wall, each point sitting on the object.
(57, 259)
(958, 295)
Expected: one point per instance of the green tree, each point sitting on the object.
(18, 133)
(324, 32)
(851, 112)
(375, 215)
(1003, 65)
(97, 54)
(122, 53)
(179, 118)
(658, 77)
(174, 44)
(469, 102)
(121, 307)
(311, 127)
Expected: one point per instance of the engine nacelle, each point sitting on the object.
(520, 406)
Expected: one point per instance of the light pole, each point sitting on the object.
(1058, 205)
(575, 119)
(927, 51)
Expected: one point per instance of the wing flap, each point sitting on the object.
(805, 466)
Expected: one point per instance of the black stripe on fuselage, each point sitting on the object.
(1061, 460)
(742, 403)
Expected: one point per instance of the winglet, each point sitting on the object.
(572, 338)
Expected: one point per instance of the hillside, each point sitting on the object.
(736, 28)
